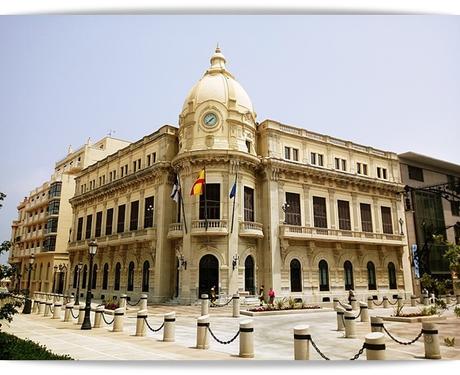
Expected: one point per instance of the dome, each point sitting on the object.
(218, 84)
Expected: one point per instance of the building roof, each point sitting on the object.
(429, 162)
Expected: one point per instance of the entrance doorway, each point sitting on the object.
(249, 275)
(176, 293)
(209, 275)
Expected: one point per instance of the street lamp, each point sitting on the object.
(285, 207)
(235, 261)
(92, 249)
(401, 222)
(77, 298)
(54, 279)
(28, 301)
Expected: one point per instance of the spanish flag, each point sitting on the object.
(197, 188)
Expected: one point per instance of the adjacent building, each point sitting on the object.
(308, 214)
(44, 220)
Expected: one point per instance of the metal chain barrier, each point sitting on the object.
(356, 356)
(106, 322)
(400, 342)
(377, 304)
(392, 303)
(223, 342)
(73, 316)
(152, 329)
(51, 309)
(135, 304)
(360, 311)
(341, 304)
(213, 304)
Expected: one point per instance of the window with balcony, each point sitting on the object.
(109, 222)
(292, 213)
(98, 228)
(52, 225)
(387, 225)
(134, 216)
(344, 215)
(210, 207)
(55, 189)
(53, 207)
(79, 228)
(148, 212)
(89, 224)
(319, 212)
(366, 217)
(121, 218)
(49, 244)
(248, 204)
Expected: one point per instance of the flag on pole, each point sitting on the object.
(233, 191)
(175, 193)
(197, 188)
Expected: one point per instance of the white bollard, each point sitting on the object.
(141, 327)
(426, 299)
(350, 325)
(431, 341)
(364, 313)
(169, 330)
(47, 309)
(247, 338)
(35, 305)
(236, 305)
(204, 305)
(370, 302)
(386, 304)
(400, 303)
(123, 299)
(81, 314)
(354, 303)
(118, 319)
(67, 313)
(57, 310)
(302, 342)
(335, 303)
(202, 335)
(41, 307)
(376, 324)
(375, 346)
(98, 317)
(413, 301)
(340, 319)
(143, 304)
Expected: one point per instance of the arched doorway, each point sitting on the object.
(249, 275)
(296, 278)
(209, 274)
(348, 271)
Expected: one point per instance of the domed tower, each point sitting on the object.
(217, 113)
(217, 144)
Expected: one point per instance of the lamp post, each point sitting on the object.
(92, 249)
(28, 302)
(54, 280)
(401, 222)
(77, 297)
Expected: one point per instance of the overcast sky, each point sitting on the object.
(390, 82)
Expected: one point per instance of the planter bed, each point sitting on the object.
(413, 319)
(284, 312)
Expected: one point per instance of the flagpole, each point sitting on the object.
(234, 199)
(205, 202)
(182, 204)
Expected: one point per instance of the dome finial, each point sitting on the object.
(217, 48)
(217, 61)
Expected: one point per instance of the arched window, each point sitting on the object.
(323, 276)
(117, 277)
(85, 274)
(75, 276)
(105, 276)
(40, 272)
(94, 277)
(296, 279)
(249, 275)
(131, 276)
(392, 275)
(348, 271)
(145, 276)
(371, 283)
(48, 271)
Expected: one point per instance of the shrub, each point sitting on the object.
(457, 311)
(14, 348)
(427, 311)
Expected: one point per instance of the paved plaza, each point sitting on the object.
(273, 336)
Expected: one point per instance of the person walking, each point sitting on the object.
(261, 295)
(271, 296)
(213, 295)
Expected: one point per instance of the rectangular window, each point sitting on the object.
(98, 224)
(379, 172)
(126, 169)
(361, 168)
(365, 169)
(366, 217)
(384, 173)
(344, 215)
(154, 157)
(212, 193)
(79, 228)
(319, 212)
(320, 160)
(121, 218)
(340, 164)
(287, 153)
(148, 212)
(415, 173)
(148, 160)
(292, 213)
(455, 208)
(133, 221)
(248, 146)
(313, 158)
(295, 154)
(344, 165)
(52, 226)
(53, 207)
(248, 204)
(337, 163)
(109, 222)
(134, 166)
(386, 220)
(122, 171)
(89, 223)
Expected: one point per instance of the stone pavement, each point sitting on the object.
(273, 336)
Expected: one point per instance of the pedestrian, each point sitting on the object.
(261, 295)
(351, 295)
(271, 296)
(213, 294)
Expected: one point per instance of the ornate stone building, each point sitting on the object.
(310, 215)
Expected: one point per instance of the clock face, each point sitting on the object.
(210, 119)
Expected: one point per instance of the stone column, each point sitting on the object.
(236, 305)
(118, 319)
(375, 346)
(141, 327)
(431, 341)
(302, 342)
(247, 338)
(169, 330)
(202, 335)
(376, 324)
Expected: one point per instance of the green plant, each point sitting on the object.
(280, 303)
(427, 311)
(398, 309)
(457, 311)
(449, 341)
(440, 304)
(291, 303)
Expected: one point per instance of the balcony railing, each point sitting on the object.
(124, 237)
(175, 230)
(211, 227)
(251, 229)
(298, 232)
